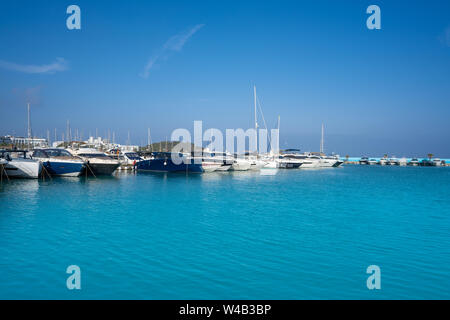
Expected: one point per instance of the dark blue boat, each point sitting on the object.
(59, 162)
(162, 162)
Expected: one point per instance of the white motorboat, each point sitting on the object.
(289, 161)
(255, 163)
(224, 160)
(127, 159)
(210, 166)
(383, 162)
(271, 164)
(330, 161)
(403, 162)
(18, 165)
(372, 162)
(292, 158)
(240, 164)
(437, 162)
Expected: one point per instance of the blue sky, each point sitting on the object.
(164, 64)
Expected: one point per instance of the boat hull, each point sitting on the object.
(290, 165)
(103, 168)
(210, 166)
(241, 165)
(64, 168)
(306, 164)
(23, 168)
(167, 165)
(224, 167)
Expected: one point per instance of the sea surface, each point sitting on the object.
(299, 234)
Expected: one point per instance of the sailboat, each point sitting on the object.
(327, 161)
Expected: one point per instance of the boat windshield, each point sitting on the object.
(56, 153)
(132, 156)
(93, 155)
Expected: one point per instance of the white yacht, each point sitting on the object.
(255, 162)
(330, 161)
(225, 160)
(372, 162)
(240, 164)
(437, 162)
(290, 161)
(306, 160)
(209, 162)
(403, 162)
(18, 165)
(383, 162)
(127, 159)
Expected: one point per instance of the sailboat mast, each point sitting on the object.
(321, 141)
(29, 122)
(256, 118)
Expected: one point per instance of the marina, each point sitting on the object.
(43, 162)
(224, 159)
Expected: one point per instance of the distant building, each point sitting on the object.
(21, 141)
(128, 148)
(5, 140)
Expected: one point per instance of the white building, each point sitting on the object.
(32, 142)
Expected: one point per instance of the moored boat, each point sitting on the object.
(427, 163)
(163, 162)
(59, 162)
(240, 164)
(438, 162)
(394, 161)
(289, 161)
(99, 162)
(414, 162)
(127, 159)
(16, 164)
(364, 160)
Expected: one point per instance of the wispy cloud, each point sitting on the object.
(174, 44)
(59, 65)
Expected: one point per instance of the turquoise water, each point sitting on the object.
(301, 234)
